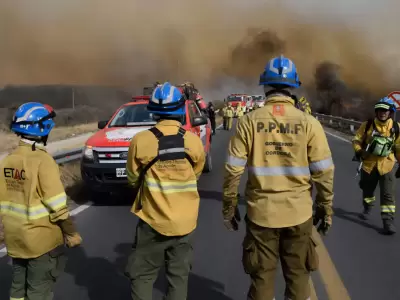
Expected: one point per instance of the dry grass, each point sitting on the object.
(72, 181)
(9, 140)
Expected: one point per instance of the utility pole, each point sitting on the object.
(73, 98)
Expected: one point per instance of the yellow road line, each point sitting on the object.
(334, 285)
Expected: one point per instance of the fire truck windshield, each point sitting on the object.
(258, 98)
(133, 115)
(235, 98)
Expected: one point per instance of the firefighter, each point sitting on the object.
(381, 136)
(228, 114)
(211, 116)
(225, 118)
(165, 163)
(284, 151)
(244, 108)
(192, 93)
(239, 111)
(304, 105)
(33, 205)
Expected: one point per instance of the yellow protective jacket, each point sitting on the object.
(224, 111)
(283, 149)
(169, 198)
(32, 201)
(229, 112)
(304, 105)
(239, 112)
(383, 164)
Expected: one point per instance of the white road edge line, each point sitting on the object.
(338, 137)
(74, 212)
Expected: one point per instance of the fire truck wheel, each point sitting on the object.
(208, 164)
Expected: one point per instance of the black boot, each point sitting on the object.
(366, 212)
(388, 227)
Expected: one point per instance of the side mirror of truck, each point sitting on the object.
(198, 121)
(102, 124)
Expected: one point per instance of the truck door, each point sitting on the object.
(201, 131)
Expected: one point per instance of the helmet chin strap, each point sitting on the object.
(35, 139)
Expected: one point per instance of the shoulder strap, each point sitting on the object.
(154, 130)
(396, 129)
(370, 123)
(158, 134)
(182, 132)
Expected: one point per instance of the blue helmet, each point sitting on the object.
(280, 71)
(386, 103)
(33, 119)
(167, 100)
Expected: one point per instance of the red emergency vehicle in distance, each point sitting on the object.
(235, 99)
(104, 158)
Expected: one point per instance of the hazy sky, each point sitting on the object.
(132, 42)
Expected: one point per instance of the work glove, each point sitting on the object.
(71, 237)
(232, 217)
(322, 221)
(362, 154)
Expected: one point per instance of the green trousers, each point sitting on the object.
(33, 279)
(229, 122)
(150, 252)
(225, 122)
(262, 249)
(368, 183)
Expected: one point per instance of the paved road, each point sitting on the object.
(365, 259)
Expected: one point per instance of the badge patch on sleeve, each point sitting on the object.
(278, 110)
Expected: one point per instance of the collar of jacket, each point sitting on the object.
(385, 125)
(277, 98)
(26, 142)
(169, 123)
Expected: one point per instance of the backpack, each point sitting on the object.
(395, 130)
(170, 147)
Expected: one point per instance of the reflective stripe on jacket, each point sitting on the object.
(32, 201)
(283, 149)
(383, 164)
(169, 198)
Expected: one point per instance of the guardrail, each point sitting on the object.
(339, 123)
(67, 156)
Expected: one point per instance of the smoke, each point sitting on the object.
(221, 45)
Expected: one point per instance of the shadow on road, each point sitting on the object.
(5, 277)
(355, 218)
(200, 288)
(80, 194)
(98, 277)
